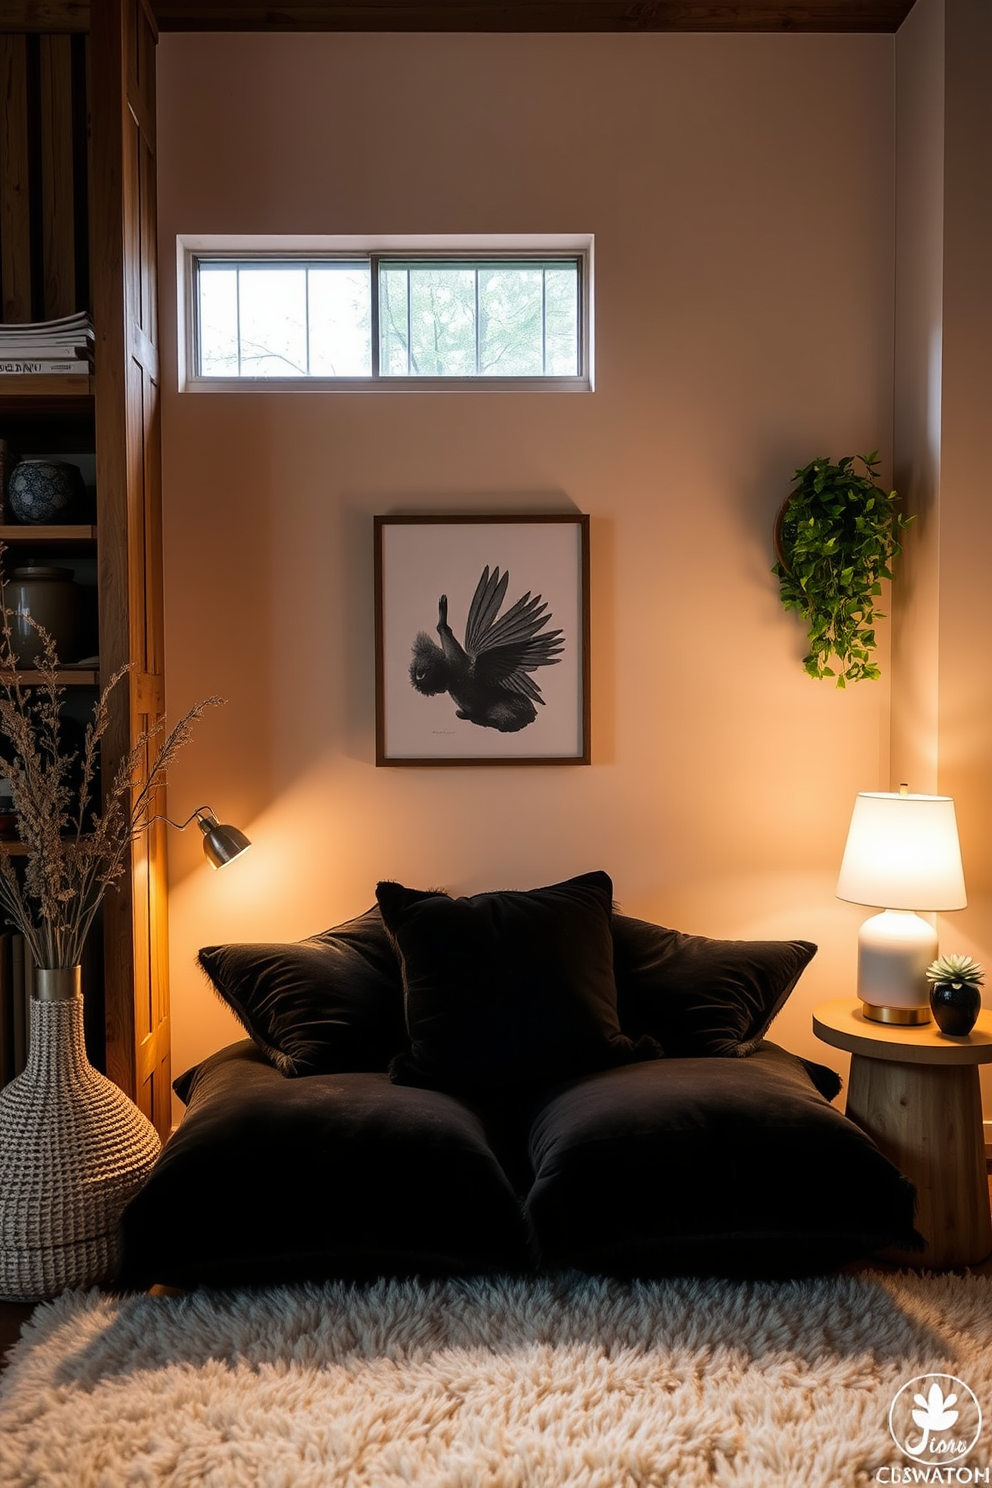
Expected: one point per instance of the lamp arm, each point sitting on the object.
(221, 844)
(193, 816)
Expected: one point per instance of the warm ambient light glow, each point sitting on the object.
(903, 855)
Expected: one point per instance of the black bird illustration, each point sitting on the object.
(488, 678)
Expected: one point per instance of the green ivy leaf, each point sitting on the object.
(838, 538)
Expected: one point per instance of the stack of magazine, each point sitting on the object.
(52, 347)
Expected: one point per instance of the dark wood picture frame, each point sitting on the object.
(519, 584)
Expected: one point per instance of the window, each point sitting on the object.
(389, 318)
(496, 319)
(258, 318)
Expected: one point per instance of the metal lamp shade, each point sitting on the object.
(221, 843)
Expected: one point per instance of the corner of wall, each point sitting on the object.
(917, 374)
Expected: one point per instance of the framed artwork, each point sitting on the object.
(482, 640)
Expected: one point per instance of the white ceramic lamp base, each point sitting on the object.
(894, 950)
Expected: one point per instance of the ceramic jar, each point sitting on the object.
(43, 491)
(54, 600)
(955, 1007)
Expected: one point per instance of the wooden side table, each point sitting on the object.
(916, 1093)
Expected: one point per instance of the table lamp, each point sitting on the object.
(902, 855)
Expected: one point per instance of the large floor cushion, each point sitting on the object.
(269, 1179)
(727, 1166)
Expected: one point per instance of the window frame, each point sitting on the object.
(283, 249)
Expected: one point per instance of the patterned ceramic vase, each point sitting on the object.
(44, 491)
(73, 1152)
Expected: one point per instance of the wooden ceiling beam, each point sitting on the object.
(479, 15)
(44, 15)
(531, 15)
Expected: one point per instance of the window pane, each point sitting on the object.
(340, 321)
(562, 321)
(273, 302)
(465, 317)
(394, 338)
(218, 322)
(511, 339)
(442, 322)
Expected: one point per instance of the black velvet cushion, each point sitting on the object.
(699, 996)
(734, 1167)
(331, 1003)
(507, 989)
(269, 1180)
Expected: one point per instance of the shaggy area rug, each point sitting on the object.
(572, 1382)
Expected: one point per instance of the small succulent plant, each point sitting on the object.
(955, 971)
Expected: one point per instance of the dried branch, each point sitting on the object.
(74, 850)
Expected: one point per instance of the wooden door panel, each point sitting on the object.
(128, 423)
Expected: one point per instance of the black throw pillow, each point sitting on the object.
(268, 1181)
(325, 1005)
(507, 990)
(699, 996)
(726, 1167)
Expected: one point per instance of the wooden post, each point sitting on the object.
(123, 41)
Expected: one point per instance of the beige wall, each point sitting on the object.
(942, 678)
(919, 255)
(966, 478)
(740, 192)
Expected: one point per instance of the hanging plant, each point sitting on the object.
(835, 538)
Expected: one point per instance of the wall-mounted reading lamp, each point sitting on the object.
(221, 844)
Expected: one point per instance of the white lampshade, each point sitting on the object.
(902, 853)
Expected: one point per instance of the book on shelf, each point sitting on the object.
(77, 319)
(26, 350)
(38, 366)
(71, 330)
(47, 347)
(54, 331)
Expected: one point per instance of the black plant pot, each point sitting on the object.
(955, 1006)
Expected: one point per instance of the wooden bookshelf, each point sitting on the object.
(52, 414)
(11, 848)
(71, 386)
(106, 262)
(66, 677)
(47, 533)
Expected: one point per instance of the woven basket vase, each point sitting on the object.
(73, 1151)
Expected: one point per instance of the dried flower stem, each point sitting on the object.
(74, 851)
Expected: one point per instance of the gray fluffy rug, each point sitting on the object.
(565, 1383)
